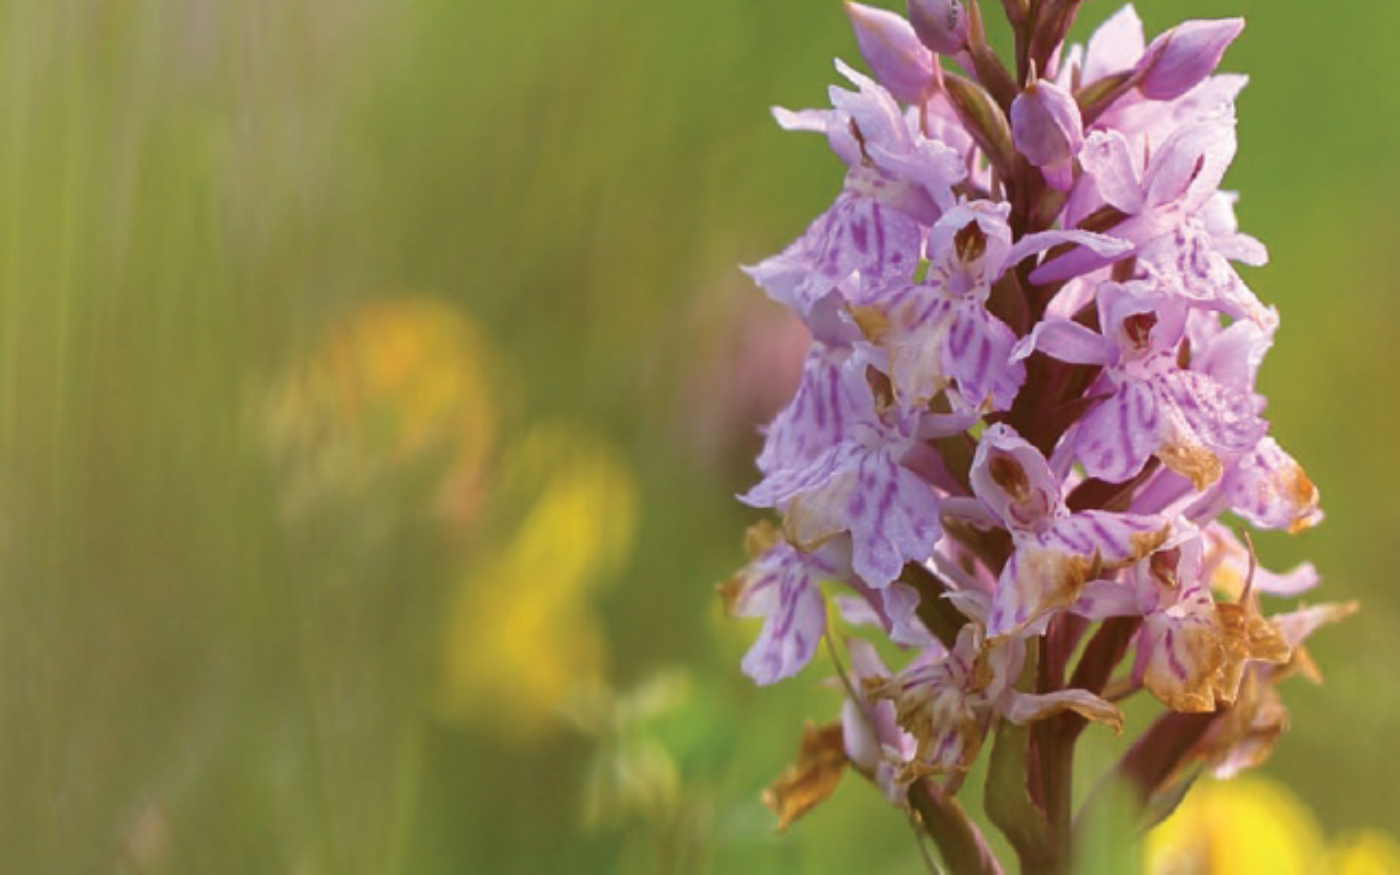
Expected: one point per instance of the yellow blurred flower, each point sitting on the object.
(521, 634)
(392, 384)
(1244, 826)
(1255, 825)
(1367, 852)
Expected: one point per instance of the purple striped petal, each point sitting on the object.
(977, 356)
(1116, 438)
(1269, 489)
(827, 403)
(891, 514)
(1205, 420)
(782, 585)
(1116, 538)
(911, 324)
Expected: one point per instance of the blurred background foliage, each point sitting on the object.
(375, 379)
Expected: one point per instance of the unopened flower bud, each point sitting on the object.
(940, 24)
(896, 57)
(1047, 128)
(1179, 59)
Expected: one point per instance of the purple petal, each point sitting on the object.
(1066, 341)
(1116, 46)
(782, 585)
(1046, 126)
(1181, 58)
(1107, 161)
(1099, 244)
(911, 324)
(820, 415)
(1269, 489)
(977, 355)
(1115, 439)
(887, 42)
(1190, 164)
(891, 514)
(1116, 538)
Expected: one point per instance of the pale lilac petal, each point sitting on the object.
(812, 120)
(1190, 164)
(1079, 261)
(1116, 46)
(858, 611)
(901, 604)
(862, 235)
(911, 324)
(957, 274)
(1270, 490)
(893, 517)
(783, 586)
(977, 355)
(931, 164)
(891, 514)
(1205, 414)
(1100, 244)
(1218, 217)
(1065, 341)
(1106, 159)
(1116, 438)
(833, 124)
(819, 417)
(1231, 566)
(1292, 583)
(1035, 581)
(1046, 127)
(869, 728)
(938, 425)
(1023, 708)
(1115, 538)
(887, 42)
(873, 110)
(1187, 262)
(1102, 599)
(1181, 58)
(1233, 357)
(1298, 625)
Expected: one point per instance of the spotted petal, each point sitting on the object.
(781, 585)
(890, 513)
(1268, 488)
(828, 401)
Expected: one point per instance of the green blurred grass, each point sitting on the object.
(195, 193)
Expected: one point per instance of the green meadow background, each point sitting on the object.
(376, 378)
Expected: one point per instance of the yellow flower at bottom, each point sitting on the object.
(521, 634)
(1241, 827)
(1368, 852)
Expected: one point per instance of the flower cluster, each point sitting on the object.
(1028, 405)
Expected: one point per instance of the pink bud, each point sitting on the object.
(940, 24)
(1179, 59)
(896, 57)
(1047, 128)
